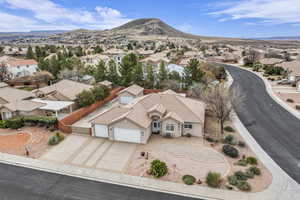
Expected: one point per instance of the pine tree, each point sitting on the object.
(127, 65)
(112, 74)
(100, 73)
(138, 75)
(29, 54)
(150, 76)
(193, 72)
(162, 74)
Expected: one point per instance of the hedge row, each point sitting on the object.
(19, 122)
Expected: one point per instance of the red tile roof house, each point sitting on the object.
(167, 113)
(21, 67)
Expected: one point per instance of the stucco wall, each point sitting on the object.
(197, 130)
(22, 70)
(178, 128)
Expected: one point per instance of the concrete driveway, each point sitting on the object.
(91, 152)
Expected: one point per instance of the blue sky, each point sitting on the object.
(230, 18)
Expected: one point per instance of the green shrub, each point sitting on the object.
(244, 186)
(3, 124)
(15, 123)
(213, 179)
(241, 176)
(230, 151)
(251, 160)
(229, 139)
(290, 100)
(229, 129)
(242, 162)
(60, 136)
(209, 139)
(53, 140)
(232, 180)
(255, 170)
(249, 174)
(189, 179)
(158, 168)
(40, 120)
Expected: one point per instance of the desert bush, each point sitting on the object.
(209, 139)
(40, 120)
(244, 186)
(251, 160)
(188, 135)
(230, 151)
(232, 180)
(290, 100)
(158, 168)
(213, 179)
(189, 179)
(229, 129)
(297, 107)
(242, 162)
(255, 170)
(229, 139)
(60, 136)
(53, 140)
(241, 144)
(249, 174)
(241, 176)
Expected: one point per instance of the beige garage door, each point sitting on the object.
(127, 135)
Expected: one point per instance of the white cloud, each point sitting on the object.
(46, 13)
(268, 11)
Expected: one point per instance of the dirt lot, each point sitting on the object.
(194, 156)
(15, 142)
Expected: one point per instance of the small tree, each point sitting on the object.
(100, 72)
(221, 101)
(163, 73)
(29, 54)
(112, 74)
(85, 98)
(100, 92)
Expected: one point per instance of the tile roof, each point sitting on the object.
(293, 66)
(23, 105)
(21, 62)
(65, 87)
(133, 89)
(10, 94)
(175, 106)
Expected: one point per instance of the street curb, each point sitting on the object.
(271, 93)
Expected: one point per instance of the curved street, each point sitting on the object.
(18, 183)
(274, 128)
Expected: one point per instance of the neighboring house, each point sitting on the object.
(64, 90)
(35, 107)
(168, 114)
(106, 83)
(173, 67)
(10, 94)
(21, 108)
(21, 67)
(129, 94)
(94, 59)
(293, 69)
(270, 61)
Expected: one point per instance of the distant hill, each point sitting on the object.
(150, 26)
(29, 34)
(279, 38)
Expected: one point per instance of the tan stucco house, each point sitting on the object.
(64, 90)
(168, 114)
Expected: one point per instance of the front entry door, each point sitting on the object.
(156, 127)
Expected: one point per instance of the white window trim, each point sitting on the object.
(188, 126)
(170, 125)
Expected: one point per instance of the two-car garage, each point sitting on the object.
(118, 134)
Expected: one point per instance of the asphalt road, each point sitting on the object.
(18, 183)
(274, 128)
